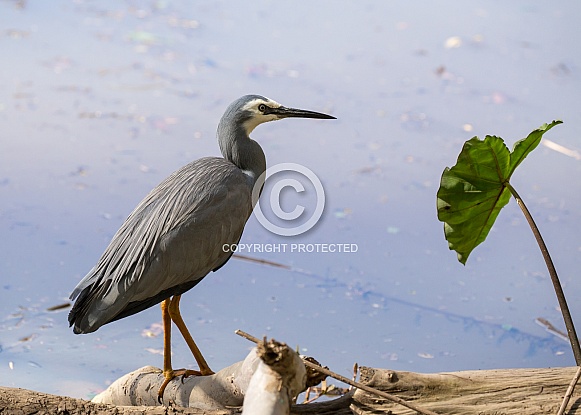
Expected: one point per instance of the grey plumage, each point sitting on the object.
(158, 251)
(175, 236)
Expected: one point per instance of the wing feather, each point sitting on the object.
(172, 239)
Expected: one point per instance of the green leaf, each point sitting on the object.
(473, 191)
(523, 147)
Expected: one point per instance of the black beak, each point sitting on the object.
(284, 112)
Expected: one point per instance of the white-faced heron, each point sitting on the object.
(176, 235)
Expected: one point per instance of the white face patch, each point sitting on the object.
(257, 116)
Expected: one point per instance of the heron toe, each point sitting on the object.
(184, 373)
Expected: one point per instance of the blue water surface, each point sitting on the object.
(100, 100)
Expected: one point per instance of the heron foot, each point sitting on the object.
(184, 373)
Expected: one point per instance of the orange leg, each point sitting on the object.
(176, 316)
(168, 372)
(170, 311)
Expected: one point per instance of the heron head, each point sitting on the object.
(253, 110)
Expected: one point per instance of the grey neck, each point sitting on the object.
(241, 150)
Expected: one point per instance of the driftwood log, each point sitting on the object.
(265, 382)
(483, 392)
(476, 392)
(278, 378)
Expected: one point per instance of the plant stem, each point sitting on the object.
(553, 273)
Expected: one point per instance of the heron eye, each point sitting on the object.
(262, 108)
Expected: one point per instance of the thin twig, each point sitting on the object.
(554, 277)
(261, 261)
(358, 385)
(569, 392)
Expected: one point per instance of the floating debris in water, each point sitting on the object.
(154, 351)
(561, 149)
(549, 327)
(261, 261)
(174, 21)
(27, 338)
(453, 42)
(368, 170)
(80, 171)
(153, 331)
(141, 36)
(59, 307)
(414, 121)
(561, 70)
(16, 34)
(343, 213)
